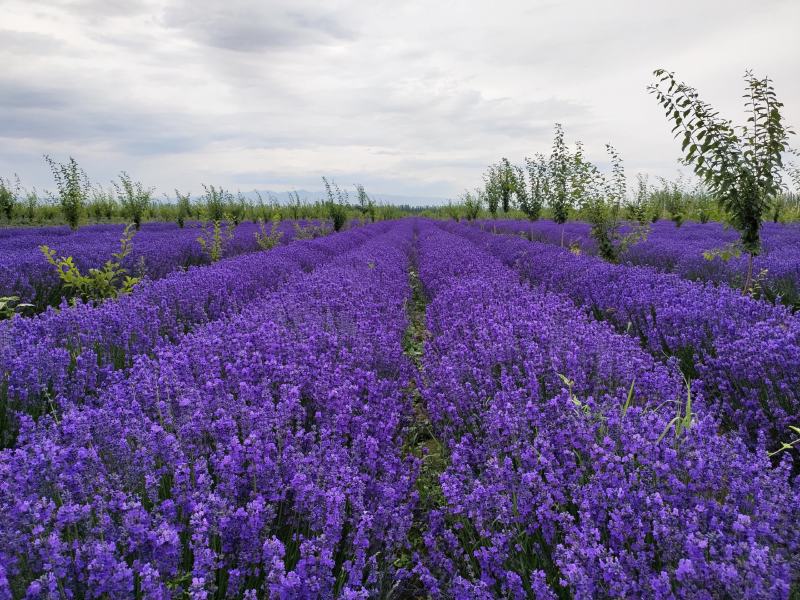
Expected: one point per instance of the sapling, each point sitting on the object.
(73, 189)
(214, 238)
(336, 205)
(501, 180)
(9, 195)
(267, 240)
(133, 197)
(472, 201)
(559, 170)
(184, 207)
(637, 207)
(741, 165)
(602, 203)
(365, 204)
(215, 202)
(539, 192)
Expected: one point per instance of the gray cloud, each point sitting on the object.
(244, 26)
(411, 97)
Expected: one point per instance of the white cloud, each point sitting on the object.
(408, 97)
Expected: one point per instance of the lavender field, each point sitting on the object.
(408, 408)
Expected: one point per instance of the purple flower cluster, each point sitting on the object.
(65, 356)
(257, 428)
(158, 249)
(681, 250)
(259, 456)
(559, 481)
(745, 353)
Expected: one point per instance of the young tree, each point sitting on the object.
(492, 193)
(73, 188)
(740, 165)
(637, 207)
(9, 193)
(365, 204)
(602, 204)
(539, 179)
(336, 205)
(215, 202)
(472, 203)
(133, 197)
(184, 207)
(559, 171)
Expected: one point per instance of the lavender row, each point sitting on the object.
(681, 250)
(259, 457)
(158, 249)
(746, 353)
(61, 357)
(565, 487)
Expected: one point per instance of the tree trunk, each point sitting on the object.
(748, 282)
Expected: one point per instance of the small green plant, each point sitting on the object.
(9, 196)
(238, 208)
(684, 418)
(215, 202)
(73, 189)
(601, 199)
(111, 281)
(787, 445)
(336, 205)
(365, 204)
(133, 197)
(310, 232)
(214, 238)
(471, 203)
(636, 209)
(267, 240)
(10, 306)
(30, 206)
(184, 208)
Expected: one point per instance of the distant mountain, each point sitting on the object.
(313, 196)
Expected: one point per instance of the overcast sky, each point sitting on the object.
(411, 98)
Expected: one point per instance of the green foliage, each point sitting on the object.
(267, 240)
(111, 281)
(724, 253)
(740, 165)
(501, 184)
(336, 204)
(683, 419)
(471, 202)
(539, 193)
(213, 239)
(559, 168)
(310, 232)
(365, 204)
(601, 199)
(788, 445)
(215, 202)
(73, 188)
(10, 306)
(636, 209)
(238, 208)
(29, 208)
(102, 205)
(9, 196)
(133, 197)
(184, 208)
